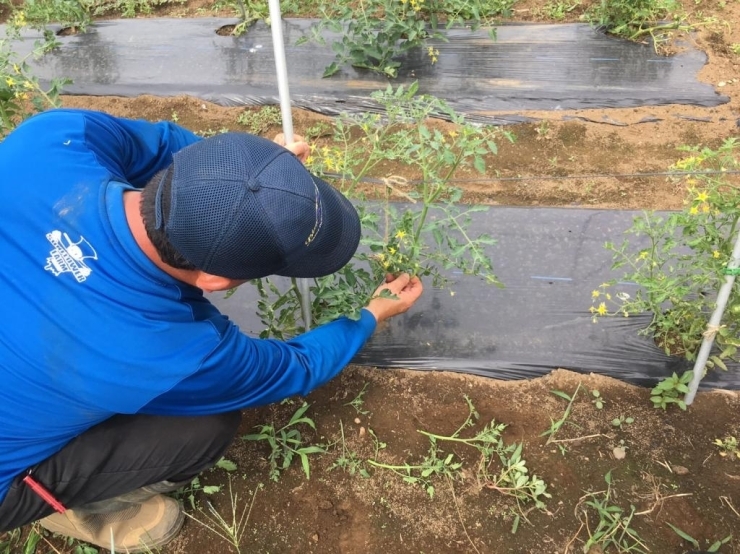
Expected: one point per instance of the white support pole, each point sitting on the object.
(276, 24)
(714, 323)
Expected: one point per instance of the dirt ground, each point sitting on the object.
(663, 464)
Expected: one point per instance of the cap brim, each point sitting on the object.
(335, 243)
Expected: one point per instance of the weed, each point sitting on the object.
(612, 528)
(357, 402)
(671, 390)
(348, 459)
(187, 494)
(597, 401)
(80, 547)
(735, 47)
(378, 445)
(621, 420)
(511, 479)
(728, 447)
(232, 530)
(210, 132)
(9, 540)
(685, 260)
(555, 425)
(16, 541)
(515, 520)
(514, 479)
(422, 473)
(558, 10)
(543, 130)
(223, 463)
(260, 121)
(714, 547)
(226, 465)
(286, 442)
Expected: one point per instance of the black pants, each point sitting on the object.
(118, 456)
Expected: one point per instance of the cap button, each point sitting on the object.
(253, 184)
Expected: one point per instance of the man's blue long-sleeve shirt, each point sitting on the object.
(90, 326)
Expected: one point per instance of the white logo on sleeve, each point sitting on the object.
(68, 256)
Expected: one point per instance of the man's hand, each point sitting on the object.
(406, 290)
(299, 147)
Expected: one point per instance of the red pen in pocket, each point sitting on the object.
(45, 495)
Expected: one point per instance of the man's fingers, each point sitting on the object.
(414, 289)
(406, 290)
(280, 138)
(300, 149)
(399, 283)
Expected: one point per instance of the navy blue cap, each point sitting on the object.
(243, 207)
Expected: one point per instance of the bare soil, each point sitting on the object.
(671, 473)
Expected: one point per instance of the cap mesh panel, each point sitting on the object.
(242, 207)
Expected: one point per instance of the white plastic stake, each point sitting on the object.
(276, 24)
(714, 322)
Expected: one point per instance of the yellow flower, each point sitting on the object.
(16, 68)
(595, 294)
(608, 296)
(687, 162)
(702, 196)
(432, 53)
(716, 254)
(19, 19)
(694, 210)
(705, 208)
(643, 255)
(10, 81)
(601, 310)
(392, 250)
(400, 234)
(309, 160)
(453, 134)
(28, 85)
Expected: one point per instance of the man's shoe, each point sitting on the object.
(135, 527)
